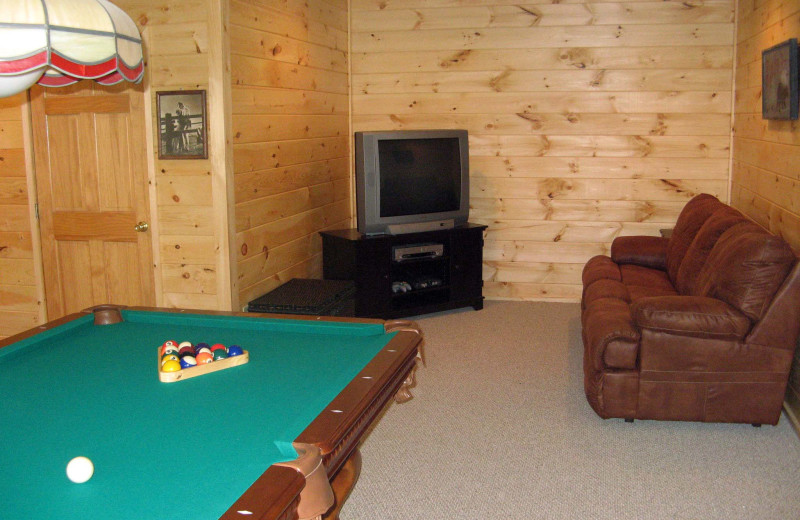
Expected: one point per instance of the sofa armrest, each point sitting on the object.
(695, 316)
(646, 251)
(610, 339)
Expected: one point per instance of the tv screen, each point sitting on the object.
(419, 176)
(411, 180)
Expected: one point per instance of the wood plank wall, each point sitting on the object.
(765, 177)
(20, 304)
(291, 136)
(188, 245)
(587, 119)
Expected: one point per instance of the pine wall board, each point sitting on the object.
(765, 178)
(20, 304)
(588, 119)
(765, 174)
(291, 144)
(183, 196)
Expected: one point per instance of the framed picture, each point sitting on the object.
(779, 81)
(182, 124)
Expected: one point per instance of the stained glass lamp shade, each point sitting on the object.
(60, 42)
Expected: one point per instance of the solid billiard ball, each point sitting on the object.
(170, 366)
(235, 350)
(204, 358)
(80, 469)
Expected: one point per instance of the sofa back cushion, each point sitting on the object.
(745, 268)
(692, 217)
(701, 246)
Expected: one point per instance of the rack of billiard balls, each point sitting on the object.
(184, 360)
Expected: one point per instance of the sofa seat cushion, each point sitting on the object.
(690, 316)
(638, 275)
(642, 291)
(642, 282)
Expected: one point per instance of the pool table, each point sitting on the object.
(275, 438)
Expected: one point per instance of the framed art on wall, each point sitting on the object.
(182, 124)
(779, 81)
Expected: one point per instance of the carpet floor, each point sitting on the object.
(500, 428)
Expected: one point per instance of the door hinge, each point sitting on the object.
(36, 210)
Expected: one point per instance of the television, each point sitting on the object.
(411, 180)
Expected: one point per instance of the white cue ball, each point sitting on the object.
(80, 469)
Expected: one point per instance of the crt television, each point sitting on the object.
(411, 180)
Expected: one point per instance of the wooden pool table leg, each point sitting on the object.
(343, 483)
(404, 394)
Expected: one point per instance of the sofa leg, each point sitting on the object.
(756, 425)
(629, 420)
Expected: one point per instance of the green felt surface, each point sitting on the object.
(183, 450)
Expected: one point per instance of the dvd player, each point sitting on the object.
(417, 251)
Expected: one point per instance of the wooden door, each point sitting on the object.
(91, 175)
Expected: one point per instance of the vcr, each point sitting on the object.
(417, 251)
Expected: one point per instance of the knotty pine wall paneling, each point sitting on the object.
(587, 120)
(765, 177)
(21, 294)
(289, 90)
(189, 197)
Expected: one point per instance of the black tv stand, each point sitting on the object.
(386, 287)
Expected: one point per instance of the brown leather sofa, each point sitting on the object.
(698, 327)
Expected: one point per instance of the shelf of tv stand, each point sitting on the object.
(415, 299)
(368, 261)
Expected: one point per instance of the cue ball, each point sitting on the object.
(80, 469)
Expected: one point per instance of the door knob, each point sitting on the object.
(141, 227)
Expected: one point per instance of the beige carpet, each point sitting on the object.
(500, 428)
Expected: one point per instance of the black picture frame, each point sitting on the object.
(779, 78)
(182, 124)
